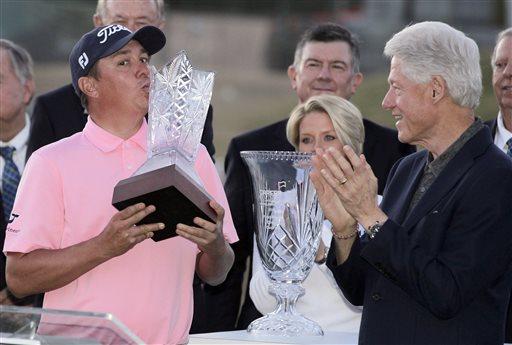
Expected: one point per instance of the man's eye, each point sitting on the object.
(339, 67)
(123, 63)
(144, 60)
(499, 64)
(312, 64)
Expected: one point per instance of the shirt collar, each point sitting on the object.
(502, 134)
(435, 166)
(21, 138)
(107, 141)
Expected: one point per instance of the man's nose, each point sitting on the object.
(508, 68)
(387, 102)
(325, 72)
(143, 70)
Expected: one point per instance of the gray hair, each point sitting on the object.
(346, 120)
(434, 48)
(101, 8)
(21, 61)
(503, 34)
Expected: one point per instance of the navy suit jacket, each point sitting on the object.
(441, 274)
(59, 114)
(492, 124)
(382, 150)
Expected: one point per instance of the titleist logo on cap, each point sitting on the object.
(107, 31)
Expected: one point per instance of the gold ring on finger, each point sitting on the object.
(342, 181)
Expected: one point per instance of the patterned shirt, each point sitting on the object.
(434, 167)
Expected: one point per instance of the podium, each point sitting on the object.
(35, 326)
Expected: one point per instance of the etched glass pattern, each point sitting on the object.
(179, 97)
(289, 221)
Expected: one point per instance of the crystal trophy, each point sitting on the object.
(288, 226)
(179, 98)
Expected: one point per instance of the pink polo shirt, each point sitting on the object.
(64, 198)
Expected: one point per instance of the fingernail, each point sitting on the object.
(161, 225)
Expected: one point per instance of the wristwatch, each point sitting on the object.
(374, 229)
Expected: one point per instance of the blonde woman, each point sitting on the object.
(322, 121)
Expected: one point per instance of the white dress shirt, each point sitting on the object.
(19, 142)
(502, 134)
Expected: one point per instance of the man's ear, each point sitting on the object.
(161, 23)
(292, 74)
(357, 79)
(96, 20)
(88, 86)
(439, 89)
(28, 91)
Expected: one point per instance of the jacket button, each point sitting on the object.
(376, 296)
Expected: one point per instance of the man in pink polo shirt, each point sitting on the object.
(68, 241)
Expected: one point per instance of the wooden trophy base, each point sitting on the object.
(176, 196)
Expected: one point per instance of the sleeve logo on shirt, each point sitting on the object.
(83, 60)
(108, 31)
(14, 216)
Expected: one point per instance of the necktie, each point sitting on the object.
(10, 180)
(509, 146)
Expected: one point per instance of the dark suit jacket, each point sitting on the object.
(441, 274)
(492, 124)
(3, 284)
(59, 114)
(382, 150)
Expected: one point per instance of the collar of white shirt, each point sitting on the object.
(502, 134)
(19, 142)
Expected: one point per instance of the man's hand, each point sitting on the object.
(216, 257)
(121, 234)
(207, 235)
(4, 298)
(352, 178)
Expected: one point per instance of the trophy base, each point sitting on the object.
(176, 196)
(281, 324)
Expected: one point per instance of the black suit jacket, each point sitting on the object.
(441, 274)
(3, 284)
(59, 114)
(382, 150)
(492, 124)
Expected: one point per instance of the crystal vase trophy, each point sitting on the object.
(179, 98)
(289, 221)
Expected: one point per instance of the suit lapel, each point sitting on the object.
(449, 177)
(398, 209)
(280, 137)
(370, 139)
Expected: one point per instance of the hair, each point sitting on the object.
(101, 8)
(94, 72)
(433, 48)
(346, 120)
(328, 32)
(21, 61)
(502, 35)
